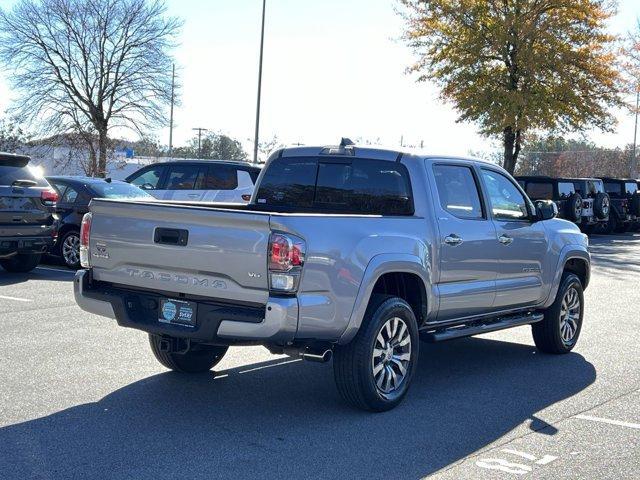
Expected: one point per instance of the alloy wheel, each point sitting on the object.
(391, 356)
(71, 250)
(569, 315)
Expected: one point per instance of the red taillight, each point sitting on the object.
(285, 252)
(246, 197)
(85, 234)
(49, 197)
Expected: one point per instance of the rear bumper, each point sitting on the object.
(216, 322)
(10, 246)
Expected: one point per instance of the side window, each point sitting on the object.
(218, 177)
(458, 191)
(613, 189)
(507, 203)
(566, 189)
(70, 195)
(148, 179)
(182, 177)
(540, 190)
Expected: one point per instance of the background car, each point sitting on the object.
(28, 225)
(625, 204)
(198, 181)
(561, 191)
(75, 195)
(596, 203)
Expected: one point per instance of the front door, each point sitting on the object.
(468, 248)
(522, 243)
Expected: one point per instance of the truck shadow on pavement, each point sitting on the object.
(285, 420)
(615, 255)
(42, 274)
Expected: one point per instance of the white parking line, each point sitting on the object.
(619, 423)
(15, 299)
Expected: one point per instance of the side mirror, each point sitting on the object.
(546, 209)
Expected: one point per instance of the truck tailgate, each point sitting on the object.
(223, 254)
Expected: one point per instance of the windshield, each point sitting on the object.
(117, 190)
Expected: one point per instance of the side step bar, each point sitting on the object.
(480, 326)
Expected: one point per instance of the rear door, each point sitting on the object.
(225, 183)
(181, 181)
(468, 247)
(522, 244)
(22, 211)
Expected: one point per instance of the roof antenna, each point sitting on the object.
(346, 142)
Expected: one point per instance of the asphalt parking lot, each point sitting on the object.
(82, 398)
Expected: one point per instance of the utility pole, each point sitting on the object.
(173, 83)
(257, 137)
(634, 162)
(200, 130)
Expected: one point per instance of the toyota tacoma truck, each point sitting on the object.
(344, 253)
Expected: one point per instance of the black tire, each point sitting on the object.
(635, 204)
(602, 205)
(353, 363)
(612, 225)
(72, 262)
(201, 359)
(573, 208)
(21, 263)
(547, 334)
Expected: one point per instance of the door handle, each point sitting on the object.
(453, 240)
(505, 239)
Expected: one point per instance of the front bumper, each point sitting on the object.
(10, 246)
(216, 321)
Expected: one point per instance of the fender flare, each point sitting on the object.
(569, 252)
(378, 266)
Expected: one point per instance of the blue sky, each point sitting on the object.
(332, 68)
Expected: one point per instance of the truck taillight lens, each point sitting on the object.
(49, 197)
(85, 234)
(286, 258)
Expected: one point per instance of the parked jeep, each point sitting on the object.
(625, 204)
(28, 224)
(596, 203)
(343, 251)
(561, 191)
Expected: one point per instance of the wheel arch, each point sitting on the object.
(402, 275)
(573, 258)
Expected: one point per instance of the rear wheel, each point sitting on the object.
(558, 332)
(374, 371)
(611, 225)
(21, 263)
(70, 249)
(201, 358)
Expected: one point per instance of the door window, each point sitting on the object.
(507, 203)
(182, 177)
(70, 195)
(540, 190)
(458, 191)
(218, 177)
(148, 179)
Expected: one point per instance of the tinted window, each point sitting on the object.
(631, 187)
(219, 177)
(182, 177)
(566, 189)
(540, 190)
(148, 179)
(458, 191)
(507, 203)
(10, 174)
(70, 195)
(613, 188)
(358, 186)
(117, 190)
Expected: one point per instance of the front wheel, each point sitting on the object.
(201, 358)
(21, 263)
(374, 371)
(558, 332)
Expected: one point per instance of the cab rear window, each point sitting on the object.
(337, 185)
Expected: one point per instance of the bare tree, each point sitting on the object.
(89, 66)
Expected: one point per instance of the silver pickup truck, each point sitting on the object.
(349, 253)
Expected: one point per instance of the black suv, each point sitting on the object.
(625, 204)
(28, 225)
(596, 204)
(562, 192)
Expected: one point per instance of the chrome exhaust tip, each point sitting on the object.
(318, 357)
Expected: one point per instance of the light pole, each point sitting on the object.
(173, 83)
(200, 130)
(634, 163)
(257, 137)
